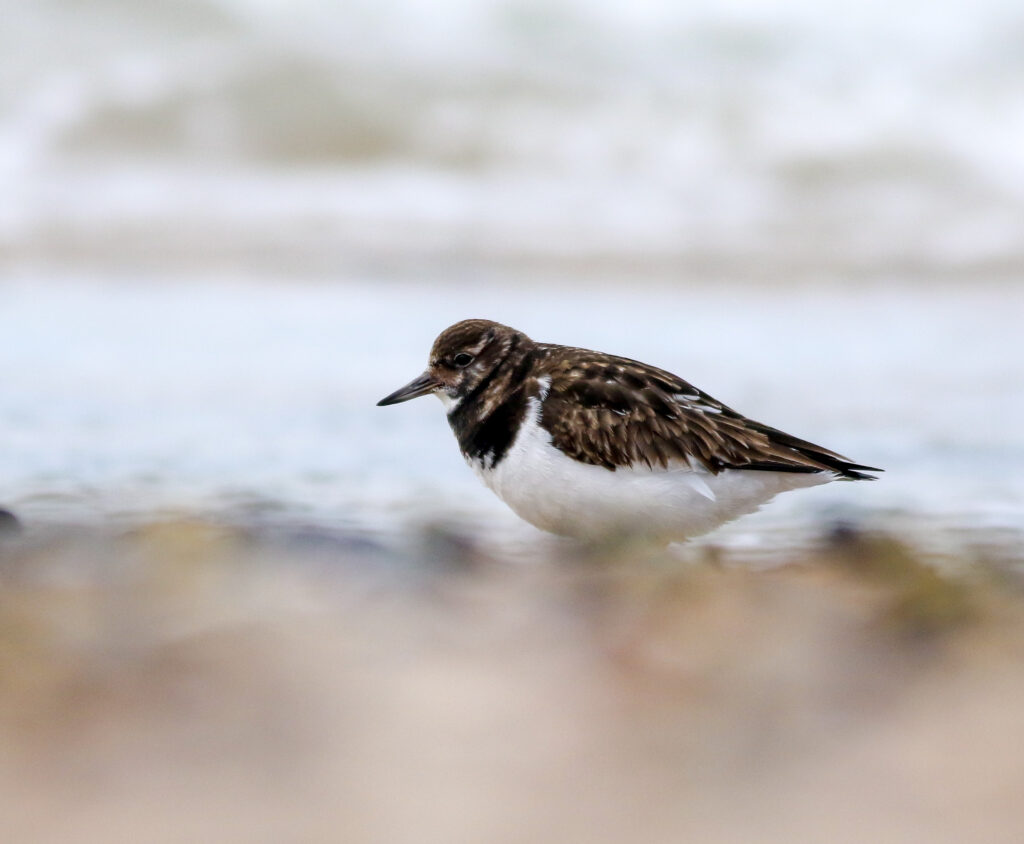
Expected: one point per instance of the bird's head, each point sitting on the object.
(462, 358)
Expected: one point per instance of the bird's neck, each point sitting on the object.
(485, 421)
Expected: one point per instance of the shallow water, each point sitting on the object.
(796, 137)
(254, 402)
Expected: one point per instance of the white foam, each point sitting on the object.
(761, 134)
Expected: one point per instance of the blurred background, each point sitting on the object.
(228, 227)
(783, 141)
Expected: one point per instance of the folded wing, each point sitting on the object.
(615, 412)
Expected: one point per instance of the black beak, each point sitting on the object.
(425, 383)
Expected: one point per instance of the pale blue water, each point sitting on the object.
(255, 402)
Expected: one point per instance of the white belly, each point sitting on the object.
(559, 494)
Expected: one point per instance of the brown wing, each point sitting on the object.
(612, 412)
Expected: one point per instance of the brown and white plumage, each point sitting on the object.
(613, 411)
(589, 444)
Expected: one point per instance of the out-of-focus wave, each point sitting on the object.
(751, 137)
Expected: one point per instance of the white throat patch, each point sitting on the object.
(449, 403)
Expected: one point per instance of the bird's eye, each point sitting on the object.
(462, 359)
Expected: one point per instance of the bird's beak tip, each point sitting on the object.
(420, 386)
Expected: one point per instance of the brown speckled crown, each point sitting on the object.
(606, 410)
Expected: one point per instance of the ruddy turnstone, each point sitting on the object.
(591, 445)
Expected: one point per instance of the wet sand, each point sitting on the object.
(192, 681)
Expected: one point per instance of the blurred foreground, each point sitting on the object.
(187, 681)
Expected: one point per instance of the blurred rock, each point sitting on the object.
(9, 523)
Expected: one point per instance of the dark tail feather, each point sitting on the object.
(822, 459)
(845, 470)
(856, 472)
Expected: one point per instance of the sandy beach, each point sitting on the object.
(189, 681)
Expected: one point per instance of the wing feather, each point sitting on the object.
(616, 412)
